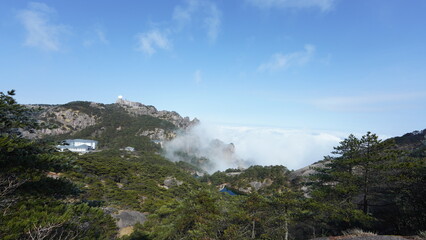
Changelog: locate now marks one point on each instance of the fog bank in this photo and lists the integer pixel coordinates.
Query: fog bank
(253, 146)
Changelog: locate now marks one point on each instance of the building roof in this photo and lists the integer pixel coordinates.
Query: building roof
(74, 147)
(225, 190)
(81, 140)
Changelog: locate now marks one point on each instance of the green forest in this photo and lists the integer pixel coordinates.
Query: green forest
(373, 185)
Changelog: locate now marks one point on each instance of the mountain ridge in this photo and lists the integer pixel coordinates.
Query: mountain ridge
(84, 120)
(75, 116)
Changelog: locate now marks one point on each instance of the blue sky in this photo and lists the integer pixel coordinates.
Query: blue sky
(334, 65)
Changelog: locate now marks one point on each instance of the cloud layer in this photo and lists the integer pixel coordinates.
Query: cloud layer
(261, 146)
(40, 31)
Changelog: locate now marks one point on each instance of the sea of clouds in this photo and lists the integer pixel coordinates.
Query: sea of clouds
(293, 148)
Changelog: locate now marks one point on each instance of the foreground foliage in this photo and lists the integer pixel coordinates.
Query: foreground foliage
(32, 206)
(373, 184)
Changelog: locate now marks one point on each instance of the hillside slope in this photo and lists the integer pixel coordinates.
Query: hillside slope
(413, 142)
(116, 125)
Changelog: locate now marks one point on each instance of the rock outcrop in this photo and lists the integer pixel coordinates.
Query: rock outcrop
(306, 171)
(172, 181)
(66, 120)
(255, 186)
(127, 218)
(171, 116)
(73, 117)
(157, 134)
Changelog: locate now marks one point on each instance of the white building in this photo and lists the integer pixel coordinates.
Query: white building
(129, 149)
(78, 145)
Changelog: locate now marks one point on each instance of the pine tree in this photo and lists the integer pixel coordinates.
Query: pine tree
(29, 200)
(352, 179)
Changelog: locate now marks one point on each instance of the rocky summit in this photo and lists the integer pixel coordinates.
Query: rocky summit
(171, 116)
(71, 118)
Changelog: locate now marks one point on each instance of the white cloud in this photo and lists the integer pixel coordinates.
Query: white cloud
(281, 61)
(41, 32)
(198, 78)
(199, 11)
(202, 14)
(323, 5)
(212, 22)
(97, 35)
(368, 103)
(150, 41)
(258, 146)
(183, 14)
(274, 146)
(101, 36)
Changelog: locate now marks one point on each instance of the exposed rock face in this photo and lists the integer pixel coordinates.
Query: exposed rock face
(256, 185)
(141, 109)
(76, 116)
(306, 171)
(172, 181)
(157, 134)
(127, 218)
(67, 120)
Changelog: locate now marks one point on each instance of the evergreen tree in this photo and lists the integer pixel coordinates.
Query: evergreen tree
(284, 209)
(372, 176)
(349, 180)
(30, 206)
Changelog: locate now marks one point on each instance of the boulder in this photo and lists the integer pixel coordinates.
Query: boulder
(127, 218)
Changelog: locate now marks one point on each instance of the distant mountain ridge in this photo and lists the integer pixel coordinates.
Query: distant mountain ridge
(137, 108)
(73, 117)
(414, 142)
(118, 125)
(130, 124)
(413, 139)
(127, 123)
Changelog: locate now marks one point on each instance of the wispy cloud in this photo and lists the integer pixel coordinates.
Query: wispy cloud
(101, 36)
(368, 103)
(150, 42)
(212, 22)
(182, 14)
(96, 36)
(202, 14)
(281, 61)
(323, 5)
(198, 78)
(199, 11)
(41, 32)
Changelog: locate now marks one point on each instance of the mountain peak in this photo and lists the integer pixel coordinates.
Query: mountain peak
(137, 108)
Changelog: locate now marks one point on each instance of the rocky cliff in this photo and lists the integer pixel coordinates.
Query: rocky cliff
(61, 119)
(171, 116)
(72, 118)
